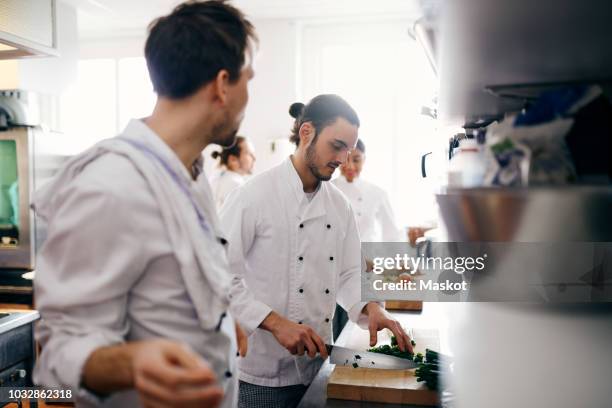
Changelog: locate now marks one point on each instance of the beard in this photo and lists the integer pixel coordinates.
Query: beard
(224, 133)
(311, 159)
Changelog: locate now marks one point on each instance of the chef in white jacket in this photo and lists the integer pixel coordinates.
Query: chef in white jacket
(375, 217)
(236, 162)
(132, 282)
(295, 251)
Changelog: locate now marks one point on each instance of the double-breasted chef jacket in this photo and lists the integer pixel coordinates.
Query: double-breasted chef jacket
(373, 211)
(293, 254)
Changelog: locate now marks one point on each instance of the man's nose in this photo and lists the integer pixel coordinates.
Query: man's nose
(343, 158)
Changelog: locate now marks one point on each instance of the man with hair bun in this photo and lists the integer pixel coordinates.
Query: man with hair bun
(294, 250)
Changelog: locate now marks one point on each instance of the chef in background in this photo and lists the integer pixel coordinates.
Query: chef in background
(237, 162)
(375, 218)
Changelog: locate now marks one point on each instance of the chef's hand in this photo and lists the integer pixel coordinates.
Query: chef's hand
(378, 319)
(297, 338)
(242, 340)
(169, 374)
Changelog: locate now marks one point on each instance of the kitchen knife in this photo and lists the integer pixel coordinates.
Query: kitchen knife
(367, 359)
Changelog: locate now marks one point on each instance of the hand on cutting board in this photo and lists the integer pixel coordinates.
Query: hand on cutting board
(297, 338)
(168, 374)
(378, 319)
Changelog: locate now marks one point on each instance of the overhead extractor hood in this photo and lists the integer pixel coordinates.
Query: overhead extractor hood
(27, 28)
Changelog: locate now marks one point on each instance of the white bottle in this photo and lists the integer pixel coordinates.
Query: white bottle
(467, 166)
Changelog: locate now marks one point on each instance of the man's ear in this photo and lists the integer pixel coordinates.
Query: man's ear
(307, 132)
(220, 86)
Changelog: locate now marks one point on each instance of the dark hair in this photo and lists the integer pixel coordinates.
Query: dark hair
(360, 146)
(226, 152)
(321, 111)
(187, 48)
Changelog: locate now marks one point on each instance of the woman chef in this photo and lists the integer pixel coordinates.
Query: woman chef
(237, 162)
(375, 218)
(294, 250)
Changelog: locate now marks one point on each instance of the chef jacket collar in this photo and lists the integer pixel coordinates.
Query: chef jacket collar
(316, 207)
(139, 131)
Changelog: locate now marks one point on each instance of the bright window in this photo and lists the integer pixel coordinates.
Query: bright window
(386, 77)
(105, 96)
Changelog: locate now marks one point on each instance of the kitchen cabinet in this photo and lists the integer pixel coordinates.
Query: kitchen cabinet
(17, 349)
(492, 47)
(27, 28)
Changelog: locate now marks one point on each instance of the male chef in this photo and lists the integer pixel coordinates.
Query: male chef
(295, 251)
(132, 282)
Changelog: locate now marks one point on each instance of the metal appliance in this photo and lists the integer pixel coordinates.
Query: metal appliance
(19, 123)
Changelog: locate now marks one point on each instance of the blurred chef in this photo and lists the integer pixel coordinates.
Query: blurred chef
(375, 218)
(294, 249)
(133, 281)
(237, 163)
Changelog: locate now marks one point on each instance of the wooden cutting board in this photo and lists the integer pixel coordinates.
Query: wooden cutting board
(390, 386)
(415, 305)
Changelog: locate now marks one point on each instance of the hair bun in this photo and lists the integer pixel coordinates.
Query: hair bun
(296, 109)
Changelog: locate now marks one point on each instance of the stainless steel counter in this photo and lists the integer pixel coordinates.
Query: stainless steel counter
(11, 319)
(434, 315)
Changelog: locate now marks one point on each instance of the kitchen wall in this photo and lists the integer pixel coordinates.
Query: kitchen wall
(272, 90)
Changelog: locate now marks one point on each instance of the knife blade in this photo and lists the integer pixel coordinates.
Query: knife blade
(366, 359)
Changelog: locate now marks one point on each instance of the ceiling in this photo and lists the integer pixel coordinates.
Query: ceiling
(119, 17)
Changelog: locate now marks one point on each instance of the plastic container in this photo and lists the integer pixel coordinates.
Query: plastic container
(467, 167)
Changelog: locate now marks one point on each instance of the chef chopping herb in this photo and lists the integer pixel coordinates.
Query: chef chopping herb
(294, 250)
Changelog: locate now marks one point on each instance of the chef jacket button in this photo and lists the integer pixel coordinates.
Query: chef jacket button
(326, 290)
(228, 374)
(223, 241)
(301, 225)
(301, 290)
(331, 258)
(360, 199)
(300, 322)
(301, 258)
(328, 226)
(327, 320)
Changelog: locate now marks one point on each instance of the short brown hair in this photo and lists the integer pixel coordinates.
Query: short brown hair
(187, 48)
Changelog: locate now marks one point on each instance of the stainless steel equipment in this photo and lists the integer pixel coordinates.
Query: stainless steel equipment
(554, 214)
(17, 129)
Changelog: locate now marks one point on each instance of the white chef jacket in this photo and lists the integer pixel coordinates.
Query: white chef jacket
(294, 256)
(114, 269)
(373, 211)
(226, 182)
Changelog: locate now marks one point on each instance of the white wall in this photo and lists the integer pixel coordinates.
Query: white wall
(52, 75)
(271, 91)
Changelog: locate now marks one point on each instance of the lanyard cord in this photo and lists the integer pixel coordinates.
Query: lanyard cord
(180, 182)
